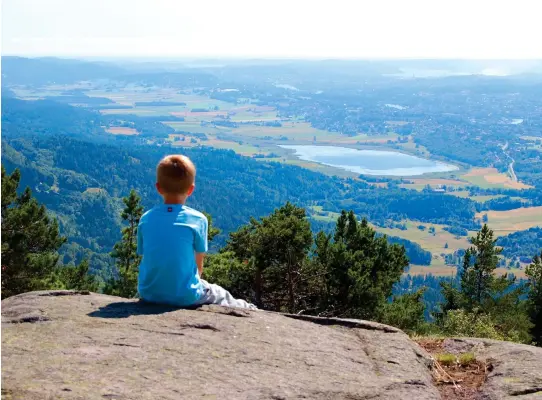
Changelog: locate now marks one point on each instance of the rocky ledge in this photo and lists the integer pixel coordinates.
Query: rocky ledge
(80, 345)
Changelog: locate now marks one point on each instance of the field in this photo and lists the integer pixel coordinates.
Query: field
(119, 130)
(420, 183)
(481, 199)
(434, 242)
(250, 137)
(506, 222)
(441, 270)
(491, 178)
(485, 178)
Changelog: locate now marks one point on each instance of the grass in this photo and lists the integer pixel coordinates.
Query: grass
(446, 358)
(480, 199)
(246, 116)
(328, 216)
(433, 242)
(194, 127)
(120, 130)
(435, 270)
(292, 130)
(244, 149)
(519, 219)
(94, 190)
(451, 359)
(488, 178)
(467, 358)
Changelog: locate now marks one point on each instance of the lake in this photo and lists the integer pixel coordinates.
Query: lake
(369, 162)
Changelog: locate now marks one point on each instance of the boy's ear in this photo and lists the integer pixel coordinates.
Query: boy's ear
(191, 190)
(158, 189)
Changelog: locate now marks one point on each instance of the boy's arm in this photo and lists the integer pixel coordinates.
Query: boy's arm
(139, 241)
(199, 263)
(201, 245)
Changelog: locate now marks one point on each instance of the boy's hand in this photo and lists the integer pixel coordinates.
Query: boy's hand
(199, 263)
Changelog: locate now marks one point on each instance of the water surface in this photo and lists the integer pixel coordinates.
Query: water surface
(369, 162)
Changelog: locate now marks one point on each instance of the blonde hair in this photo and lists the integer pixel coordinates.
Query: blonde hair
(175, 174)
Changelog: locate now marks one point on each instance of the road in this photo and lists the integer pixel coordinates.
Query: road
(511, 171)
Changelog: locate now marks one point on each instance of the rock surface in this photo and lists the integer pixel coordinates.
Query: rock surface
(65, 345)
(75, 345)
(515, 369)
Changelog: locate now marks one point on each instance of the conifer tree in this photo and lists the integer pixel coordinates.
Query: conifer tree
(125, 251)
(30, 240)
(477, 281)
(359, 269)
(78, 277)
(276, 249)
(483, 296)
(534, 307)
(479, 263)
(212, 230)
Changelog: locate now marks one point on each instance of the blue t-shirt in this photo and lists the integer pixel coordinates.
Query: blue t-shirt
(168, 237)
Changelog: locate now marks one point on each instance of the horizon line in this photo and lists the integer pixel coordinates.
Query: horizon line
(259, 57)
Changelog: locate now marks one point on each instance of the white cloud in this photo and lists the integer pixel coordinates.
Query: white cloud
(279, 28)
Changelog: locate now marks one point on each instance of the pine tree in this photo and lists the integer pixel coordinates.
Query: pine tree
(479, 263)
(212, 231)
(534, 304)
(482, 296)
(77, 278)
(125, 251)
(276, 249)
(406, 312)
(30, 240)
(360, 269)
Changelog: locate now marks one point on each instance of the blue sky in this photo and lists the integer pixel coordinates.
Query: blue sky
(275, 28)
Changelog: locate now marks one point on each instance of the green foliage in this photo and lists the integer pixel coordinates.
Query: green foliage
(466, 358)
(478, 285)
(359, 268)
(212, 230)
(30, 240)
(125, 251)
(446, 358)
(479, 263)
(406, 312)
(534, 303)
(351, 273)
(451, 359)
(277, 247)
(226, 270)
(484, 305)
(461, 323)
(77, 278)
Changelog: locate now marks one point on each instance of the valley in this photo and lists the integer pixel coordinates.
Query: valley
(441, 192)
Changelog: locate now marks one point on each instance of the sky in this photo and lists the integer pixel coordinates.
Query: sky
(473, 29)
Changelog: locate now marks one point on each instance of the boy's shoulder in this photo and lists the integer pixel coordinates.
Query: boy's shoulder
(195, 213)
(156, 213)
(146, 215)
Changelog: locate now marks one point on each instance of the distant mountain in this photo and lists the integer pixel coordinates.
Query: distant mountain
(50, 70)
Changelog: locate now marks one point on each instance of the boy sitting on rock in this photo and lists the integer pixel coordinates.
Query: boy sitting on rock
(172, 238)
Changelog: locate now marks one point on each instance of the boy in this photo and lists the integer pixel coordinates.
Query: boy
(172, 239)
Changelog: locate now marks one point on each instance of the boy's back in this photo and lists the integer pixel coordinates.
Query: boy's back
(169, 235)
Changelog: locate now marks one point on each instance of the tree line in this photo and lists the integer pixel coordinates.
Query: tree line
(277, 263)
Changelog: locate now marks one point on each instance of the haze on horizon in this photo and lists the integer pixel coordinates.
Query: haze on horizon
(279, 29)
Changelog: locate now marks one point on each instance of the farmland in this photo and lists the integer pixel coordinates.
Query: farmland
(490, 178)
(119, 130)
(505, 222)
(254, 130)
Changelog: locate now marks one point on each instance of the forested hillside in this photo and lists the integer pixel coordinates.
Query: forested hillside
(80, 173)
(85, 139)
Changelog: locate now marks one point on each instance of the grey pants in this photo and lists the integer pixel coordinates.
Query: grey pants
(214, 294)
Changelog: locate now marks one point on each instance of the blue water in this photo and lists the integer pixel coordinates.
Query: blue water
(369, 162)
